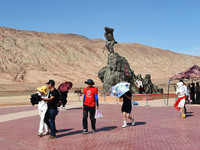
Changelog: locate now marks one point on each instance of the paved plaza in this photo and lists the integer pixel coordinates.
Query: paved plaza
(156, 128)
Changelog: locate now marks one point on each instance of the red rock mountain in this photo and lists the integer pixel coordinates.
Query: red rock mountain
(35, 57)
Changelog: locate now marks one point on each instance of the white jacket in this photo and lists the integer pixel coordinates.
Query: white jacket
(42, 105)
(181, 89)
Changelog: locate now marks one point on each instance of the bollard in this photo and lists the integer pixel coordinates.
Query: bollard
(116, 100)
(131, 99)
(147, 101)
(164, 100)
(167, 99)
(79, 97)
(175, 98)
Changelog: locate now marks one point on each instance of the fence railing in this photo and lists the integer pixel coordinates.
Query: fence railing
(105, 98)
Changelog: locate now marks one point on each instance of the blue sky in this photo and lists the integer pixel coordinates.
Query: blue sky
(166, 24)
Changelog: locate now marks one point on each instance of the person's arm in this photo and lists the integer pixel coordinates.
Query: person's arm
(127, 97)
(48, 99)
(97, 100)
(84, 95)
(83, 99)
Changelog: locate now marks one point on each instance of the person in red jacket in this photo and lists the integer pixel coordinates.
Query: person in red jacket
(90, 104)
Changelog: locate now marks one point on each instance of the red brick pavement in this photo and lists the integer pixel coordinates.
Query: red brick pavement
(156, 128)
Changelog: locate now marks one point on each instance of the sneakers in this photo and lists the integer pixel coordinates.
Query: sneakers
(52, 137)
(85, 131)
(93, 131)
(40, 134)
(133, 122)
(183, 116)
(46, 133)
(124, 126)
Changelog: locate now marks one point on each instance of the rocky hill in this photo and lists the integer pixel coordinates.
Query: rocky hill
(35, 57)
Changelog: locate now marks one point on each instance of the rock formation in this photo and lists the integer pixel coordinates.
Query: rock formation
(118, 70)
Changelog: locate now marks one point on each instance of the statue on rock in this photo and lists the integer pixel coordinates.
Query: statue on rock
(118, 70)
(110, 39)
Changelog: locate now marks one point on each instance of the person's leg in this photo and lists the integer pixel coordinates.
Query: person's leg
(183, 112)
(92, 118)
(45, 125)
(129, 116)
(85, 116)
(64, 102)
(132, 120)
(52, 116)
(125, 120)
(41, 124)
(46, 119)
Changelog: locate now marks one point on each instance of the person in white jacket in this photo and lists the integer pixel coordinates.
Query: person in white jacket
(181, 91)
(42, 108)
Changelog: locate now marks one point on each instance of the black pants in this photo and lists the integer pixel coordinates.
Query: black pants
(140, 90)
(185, 109)
(64, 102)
(92, 110)
(64, 98)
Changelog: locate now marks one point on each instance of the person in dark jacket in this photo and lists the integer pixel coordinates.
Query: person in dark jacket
(197, 91)
(126, 108)
(63, 96)
(52, 101)
(192, 93)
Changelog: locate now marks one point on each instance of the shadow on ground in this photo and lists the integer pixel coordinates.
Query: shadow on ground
(69, 133)
(75, 108)
(64, 130)
(137, 124)
(107, 128)
(189, 116)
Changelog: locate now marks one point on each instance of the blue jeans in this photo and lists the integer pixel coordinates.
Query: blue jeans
(50, 120)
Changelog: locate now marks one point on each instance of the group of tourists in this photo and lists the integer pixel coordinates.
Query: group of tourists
(194, 90)
(48, 108)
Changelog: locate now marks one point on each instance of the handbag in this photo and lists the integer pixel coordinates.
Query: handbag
(98, 114)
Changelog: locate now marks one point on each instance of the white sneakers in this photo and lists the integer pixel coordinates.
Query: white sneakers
(132, 123)
(124, 125)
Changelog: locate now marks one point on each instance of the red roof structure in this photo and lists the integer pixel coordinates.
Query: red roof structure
(191, 73)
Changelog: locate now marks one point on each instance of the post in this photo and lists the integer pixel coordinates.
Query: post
(104, 98)
(132, 99)
(164, 100)
(168, 92)
(79, 95)
(147, 101)
(116, 100)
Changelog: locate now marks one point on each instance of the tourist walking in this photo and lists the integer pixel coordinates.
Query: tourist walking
(181, 101)
(126, 108)
(42, 108)
(52, 100)
(90, 104)
(63, 96)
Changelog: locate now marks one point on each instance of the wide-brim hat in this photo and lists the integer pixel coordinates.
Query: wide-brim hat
(42, 89)
(89, 81)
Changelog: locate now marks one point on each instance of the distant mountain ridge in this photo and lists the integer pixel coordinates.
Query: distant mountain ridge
(35, 57)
